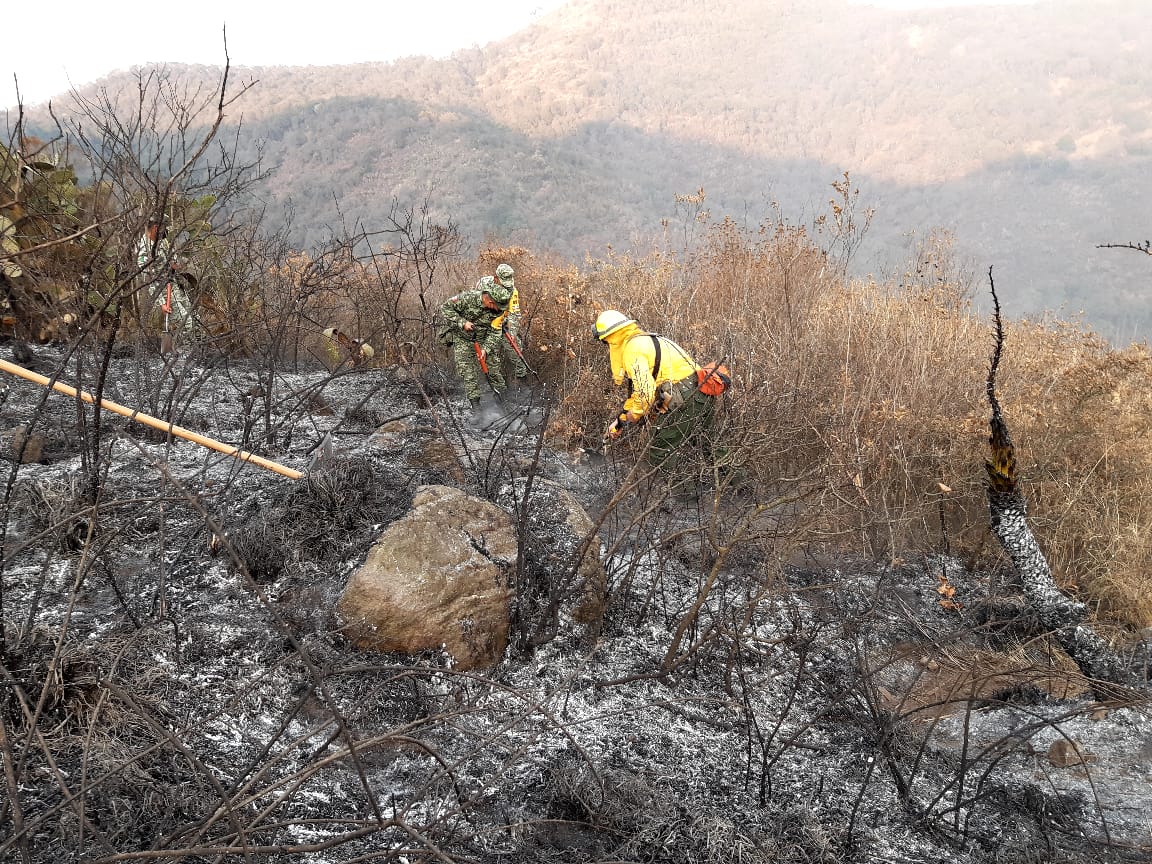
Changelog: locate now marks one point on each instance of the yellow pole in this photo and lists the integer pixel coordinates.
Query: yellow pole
(148, 420)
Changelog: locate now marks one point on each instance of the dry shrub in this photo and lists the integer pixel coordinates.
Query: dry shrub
(891, 384)
(877, 392)
(1088, 456)
(269, 300)
(335, 508)
(391, 301)
(264, 302)
(874, 392)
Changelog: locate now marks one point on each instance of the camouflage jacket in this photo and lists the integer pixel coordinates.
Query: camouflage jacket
(467, 306)
(153, 257)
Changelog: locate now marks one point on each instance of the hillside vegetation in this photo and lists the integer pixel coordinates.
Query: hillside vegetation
(180, 684)
(869, 391)
(1021, 129)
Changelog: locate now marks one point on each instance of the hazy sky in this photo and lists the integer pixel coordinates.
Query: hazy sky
(96, 38)
(938, 4)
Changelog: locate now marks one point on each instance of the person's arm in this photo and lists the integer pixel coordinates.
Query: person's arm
(171, 259)
(639, 355)
(639, 366)
(453, 313)
(635, 409)
(143, 252)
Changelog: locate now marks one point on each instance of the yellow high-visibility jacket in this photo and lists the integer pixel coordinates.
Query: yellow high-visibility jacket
(513, 309)
(633, 356)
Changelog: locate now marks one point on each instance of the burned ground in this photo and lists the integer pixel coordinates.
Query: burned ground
(177, 685)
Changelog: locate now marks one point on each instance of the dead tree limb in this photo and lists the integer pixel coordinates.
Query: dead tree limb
(1145, 247)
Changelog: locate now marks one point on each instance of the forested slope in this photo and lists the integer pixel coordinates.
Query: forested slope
(1022, 129)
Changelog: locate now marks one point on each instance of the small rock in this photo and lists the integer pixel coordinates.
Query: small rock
(23, 354)
(18, 438)
(1065, 754)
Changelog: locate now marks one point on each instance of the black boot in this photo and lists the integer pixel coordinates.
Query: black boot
(506, 403)
(474, 402)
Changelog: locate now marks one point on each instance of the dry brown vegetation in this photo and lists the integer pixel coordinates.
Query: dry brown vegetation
(859, 419)
(867, 395)
(874, 394)
(578, 130)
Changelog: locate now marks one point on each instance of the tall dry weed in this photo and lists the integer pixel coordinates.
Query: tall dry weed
(877, 392)
(1088, 456)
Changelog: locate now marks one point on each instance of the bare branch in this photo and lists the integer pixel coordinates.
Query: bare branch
(1145, 247)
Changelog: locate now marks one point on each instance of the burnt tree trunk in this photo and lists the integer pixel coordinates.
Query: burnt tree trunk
(1063, 617)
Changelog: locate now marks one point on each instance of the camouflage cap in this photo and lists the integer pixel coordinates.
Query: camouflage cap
(504, 275)
(499, 294)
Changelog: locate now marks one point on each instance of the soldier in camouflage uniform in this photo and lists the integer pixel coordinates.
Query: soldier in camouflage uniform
(468, 318)
(158, 267)
(510, 321)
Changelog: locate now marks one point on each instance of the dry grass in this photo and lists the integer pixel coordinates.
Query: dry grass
(878, 390)
(875, 389)
(872, 391)
(1089, 454)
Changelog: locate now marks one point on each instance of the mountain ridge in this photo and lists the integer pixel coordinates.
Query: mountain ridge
(962, 119)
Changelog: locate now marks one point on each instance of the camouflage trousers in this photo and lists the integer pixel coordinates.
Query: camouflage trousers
(180, 317)
(468, 365)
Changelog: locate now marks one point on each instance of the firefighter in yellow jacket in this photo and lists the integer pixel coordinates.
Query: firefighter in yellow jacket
(663, 383)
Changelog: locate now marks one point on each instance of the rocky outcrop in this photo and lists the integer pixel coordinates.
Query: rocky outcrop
(422, 449)
(17, 445)
(919, 681)
(437, 579)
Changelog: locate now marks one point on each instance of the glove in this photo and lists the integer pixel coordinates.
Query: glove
(615, 429)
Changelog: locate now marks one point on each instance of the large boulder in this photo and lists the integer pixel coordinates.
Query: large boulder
(438, 578)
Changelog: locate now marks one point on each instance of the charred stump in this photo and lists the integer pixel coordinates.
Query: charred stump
(1058, 613)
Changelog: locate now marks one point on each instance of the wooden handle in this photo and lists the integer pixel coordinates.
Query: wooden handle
(148, 420)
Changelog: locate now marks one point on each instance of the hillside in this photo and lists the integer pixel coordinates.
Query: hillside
(887, 601)
(1022, 129)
